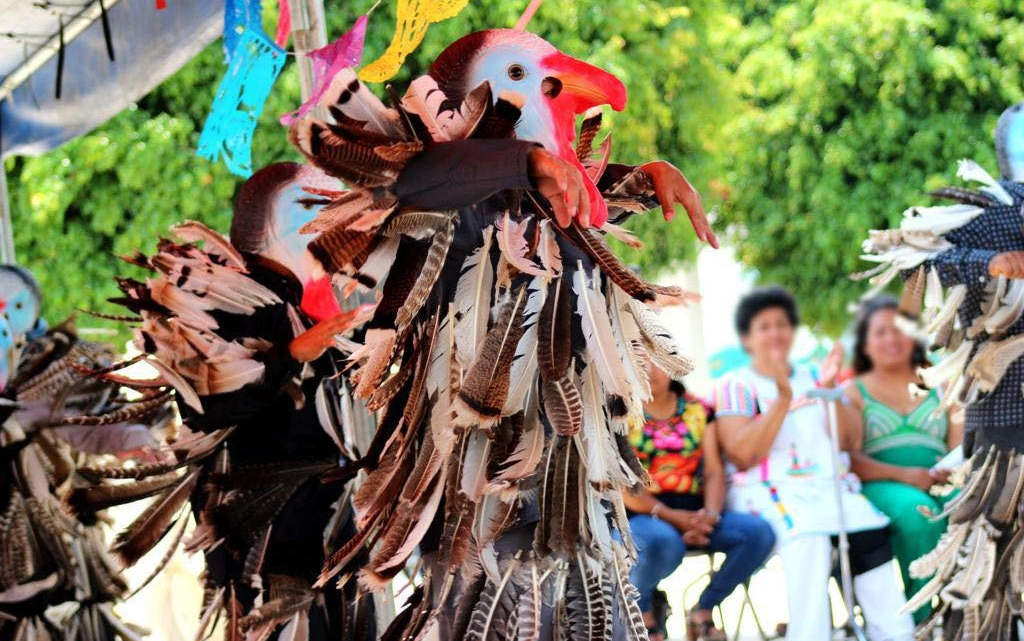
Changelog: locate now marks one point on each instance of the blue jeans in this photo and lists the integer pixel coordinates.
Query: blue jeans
(746, 541)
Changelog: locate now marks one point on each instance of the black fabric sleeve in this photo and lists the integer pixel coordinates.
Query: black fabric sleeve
(460, 173)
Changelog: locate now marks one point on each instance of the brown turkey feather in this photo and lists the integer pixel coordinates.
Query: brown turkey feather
(383, 486)
(559, 527)
(353, 163)
(336, 248)
(416, 224)
(99, 497)
(965, 196)
(913, 293)
(413, 518)
(563, 405)
(613, 268)
(485, 387)
(458, 519)
(338, 212)
(500, 121)
(589, 128)
(151, 526)
(428, 276)
(192, 231)
(554, 336)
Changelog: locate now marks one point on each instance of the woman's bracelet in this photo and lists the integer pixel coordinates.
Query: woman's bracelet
(657, 508)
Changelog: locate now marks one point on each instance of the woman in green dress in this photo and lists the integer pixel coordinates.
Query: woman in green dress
(901, 435)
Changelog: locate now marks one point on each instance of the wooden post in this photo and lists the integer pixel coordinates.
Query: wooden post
(309, 32)
(6, 230)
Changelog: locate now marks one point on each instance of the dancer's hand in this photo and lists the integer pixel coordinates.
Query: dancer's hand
(1008, 264)
(562, 185)
(672, 187)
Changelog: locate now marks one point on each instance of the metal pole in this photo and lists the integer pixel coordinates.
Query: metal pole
(829, 397)
(6, 229)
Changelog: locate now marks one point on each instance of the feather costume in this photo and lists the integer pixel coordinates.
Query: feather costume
(57, 579)
(238, 330)
(506, 354)
(944, 253)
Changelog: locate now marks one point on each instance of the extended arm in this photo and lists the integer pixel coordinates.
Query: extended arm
(460, 173)
(745, 436)
(962, 265)
(655, 184)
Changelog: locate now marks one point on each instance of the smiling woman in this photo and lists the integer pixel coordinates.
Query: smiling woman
(901, 435)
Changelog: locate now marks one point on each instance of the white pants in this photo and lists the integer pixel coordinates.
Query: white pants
(807, 561)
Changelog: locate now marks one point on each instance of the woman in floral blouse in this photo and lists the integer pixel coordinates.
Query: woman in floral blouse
(682, 507)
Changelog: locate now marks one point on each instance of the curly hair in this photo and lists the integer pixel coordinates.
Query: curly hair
(762, 298)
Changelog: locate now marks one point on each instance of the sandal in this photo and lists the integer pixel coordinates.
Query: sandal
(703, 630)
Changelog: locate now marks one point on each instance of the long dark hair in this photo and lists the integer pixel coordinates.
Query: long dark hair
(677, 387)
(861, 361)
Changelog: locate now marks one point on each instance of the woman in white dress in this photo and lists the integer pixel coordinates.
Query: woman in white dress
(776, 441)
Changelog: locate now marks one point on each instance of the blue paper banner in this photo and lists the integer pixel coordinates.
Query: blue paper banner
(240, 15)
(255, 64)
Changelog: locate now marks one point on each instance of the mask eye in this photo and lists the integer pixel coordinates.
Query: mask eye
(516, 72)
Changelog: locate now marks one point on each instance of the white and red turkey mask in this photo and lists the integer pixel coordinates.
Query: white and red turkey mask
(554, 87)
(271, 208)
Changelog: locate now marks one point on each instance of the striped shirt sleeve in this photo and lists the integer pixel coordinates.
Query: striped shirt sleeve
(734, 397)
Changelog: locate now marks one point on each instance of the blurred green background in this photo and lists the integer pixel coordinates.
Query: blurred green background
(805, 123)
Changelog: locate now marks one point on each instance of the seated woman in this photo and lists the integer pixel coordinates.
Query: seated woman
(780, 464)
(899, 435)
(682, 508)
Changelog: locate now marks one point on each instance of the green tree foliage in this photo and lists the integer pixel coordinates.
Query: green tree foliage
(812, 120)
(853, 109)
(118, 188)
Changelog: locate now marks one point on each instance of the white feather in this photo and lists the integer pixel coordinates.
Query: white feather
(378, 264)
(362, 105)
(1009, 311)
(597, 331)
(954, 298)
(474, 464)
(438, 387)
(970, 170)
(523, 373)
(938, 220)
(473, 301)
(949, 369)
(512, 241)
(548, 251)
(594, 441)
(524, 459)
(658, 340)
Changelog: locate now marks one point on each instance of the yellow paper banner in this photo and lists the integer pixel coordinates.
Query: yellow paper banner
(414, 16)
